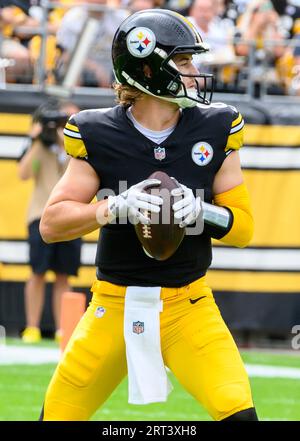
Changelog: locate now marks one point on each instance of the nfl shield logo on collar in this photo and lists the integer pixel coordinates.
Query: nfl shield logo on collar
(159, 153)
(138, 327)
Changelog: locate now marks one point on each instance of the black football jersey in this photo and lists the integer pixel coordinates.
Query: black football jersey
(122, 156)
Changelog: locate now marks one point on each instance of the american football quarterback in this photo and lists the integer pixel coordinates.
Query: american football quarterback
(147, 314)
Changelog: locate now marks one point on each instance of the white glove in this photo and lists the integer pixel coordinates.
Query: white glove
(134, 203)
(188, 208)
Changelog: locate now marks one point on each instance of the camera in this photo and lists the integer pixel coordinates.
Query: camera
(50, 122)
(51, 117)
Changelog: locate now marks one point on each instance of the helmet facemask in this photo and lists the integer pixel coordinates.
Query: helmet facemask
(171, 86)
(201, 93)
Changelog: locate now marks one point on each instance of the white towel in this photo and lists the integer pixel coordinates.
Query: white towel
(147, 377)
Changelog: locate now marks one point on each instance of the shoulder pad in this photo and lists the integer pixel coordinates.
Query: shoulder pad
(73, 142)
(236, 133)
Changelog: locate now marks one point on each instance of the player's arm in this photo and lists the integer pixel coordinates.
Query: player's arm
(68, 213)
(231, 205)
(229, 218)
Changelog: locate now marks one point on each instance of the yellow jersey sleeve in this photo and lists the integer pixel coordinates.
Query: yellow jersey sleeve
(236, 135)
(73, 141)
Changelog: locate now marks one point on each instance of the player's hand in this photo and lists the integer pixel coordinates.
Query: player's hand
(133, 203)
(188, 208)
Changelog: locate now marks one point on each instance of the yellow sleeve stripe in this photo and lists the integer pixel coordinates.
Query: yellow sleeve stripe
(75, 147)
(236, 121)
(237, 128)
(235, 140)
(72, 134)
(72, 127)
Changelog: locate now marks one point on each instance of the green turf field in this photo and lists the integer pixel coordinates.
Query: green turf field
(22, 388)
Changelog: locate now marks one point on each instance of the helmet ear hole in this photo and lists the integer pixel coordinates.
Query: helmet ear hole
(147, 70)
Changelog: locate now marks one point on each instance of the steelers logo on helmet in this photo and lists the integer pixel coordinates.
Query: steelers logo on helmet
(141, 42)
(202, 153)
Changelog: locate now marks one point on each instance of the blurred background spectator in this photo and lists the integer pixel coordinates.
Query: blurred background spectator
(260, 22)
(52, 52)
(295, 85)
(260, 26)
(13, 42)
(206, 15)
(249, 40)
(97, 70)
(217, 32)
(288, 65)
(139, 5)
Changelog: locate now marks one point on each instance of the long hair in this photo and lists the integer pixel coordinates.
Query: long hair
(126, 95)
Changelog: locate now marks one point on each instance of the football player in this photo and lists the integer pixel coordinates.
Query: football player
(164, 121)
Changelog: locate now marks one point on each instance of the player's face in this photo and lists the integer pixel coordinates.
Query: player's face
(185, 65)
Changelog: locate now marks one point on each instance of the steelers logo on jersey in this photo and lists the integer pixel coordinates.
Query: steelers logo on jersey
(141, 42)
(202, 153)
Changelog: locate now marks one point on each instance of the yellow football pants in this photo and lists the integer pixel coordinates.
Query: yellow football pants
(196, 345)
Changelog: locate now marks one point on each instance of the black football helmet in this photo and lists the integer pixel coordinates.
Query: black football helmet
(154, 37)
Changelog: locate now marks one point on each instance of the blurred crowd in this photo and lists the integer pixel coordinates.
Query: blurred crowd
(249, 40)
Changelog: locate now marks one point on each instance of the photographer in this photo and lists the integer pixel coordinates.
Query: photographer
(45, 161)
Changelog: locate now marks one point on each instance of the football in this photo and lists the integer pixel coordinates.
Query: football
(162, 237)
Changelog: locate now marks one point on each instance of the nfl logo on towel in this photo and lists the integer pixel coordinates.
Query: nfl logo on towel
(138, 327)
(159, 153)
